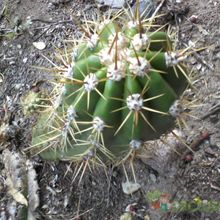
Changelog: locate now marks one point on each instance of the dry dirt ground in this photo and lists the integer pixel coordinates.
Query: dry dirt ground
(99, 195)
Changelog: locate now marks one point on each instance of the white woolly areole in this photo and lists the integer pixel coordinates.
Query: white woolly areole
(63, 90)
(124, 54)
(59, 99)
(173, 58)
(71, 113)
(134, 102)
(127, 53)
(135, 144)
(90, 82)
(116, 74)
(69, 72)
(139, 69)
(98, 124)
(140, 42)
(93, 41)
(121, 41)
(105, 57)
(90, 153)
(74, 53)
(65, 129)
(94, 143)
(103, 24)
(132, 24)
(176, 109)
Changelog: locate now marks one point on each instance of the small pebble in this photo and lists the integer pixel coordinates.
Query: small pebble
(131, 207)
(218, 55)
(12, 62)
(130, 187)
(1, 78)
(18, 86)
(191, 43)
(193, 18)
(153, 178)
(188, 158)
(39, 45)
(25, 60)
(51, 6)
(199, 66)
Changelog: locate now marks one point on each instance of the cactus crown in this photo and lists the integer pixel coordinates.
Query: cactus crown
(114, 93)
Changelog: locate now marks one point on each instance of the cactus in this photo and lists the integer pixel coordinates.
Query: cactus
(114, 93)
(33, 101)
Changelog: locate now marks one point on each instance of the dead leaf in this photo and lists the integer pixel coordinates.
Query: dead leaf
(17, 196)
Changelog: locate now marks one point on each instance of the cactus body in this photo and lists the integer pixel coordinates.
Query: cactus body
(116, 93)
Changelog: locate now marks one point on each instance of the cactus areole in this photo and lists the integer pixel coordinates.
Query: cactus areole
(115, 93)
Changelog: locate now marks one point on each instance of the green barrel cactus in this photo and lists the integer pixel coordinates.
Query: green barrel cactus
(115, 91)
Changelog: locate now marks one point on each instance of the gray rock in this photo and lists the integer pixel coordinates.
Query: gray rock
(112, 3)
(146, 7)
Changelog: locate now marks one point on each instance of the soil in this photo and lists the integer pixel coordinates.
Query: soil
(99, 195)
